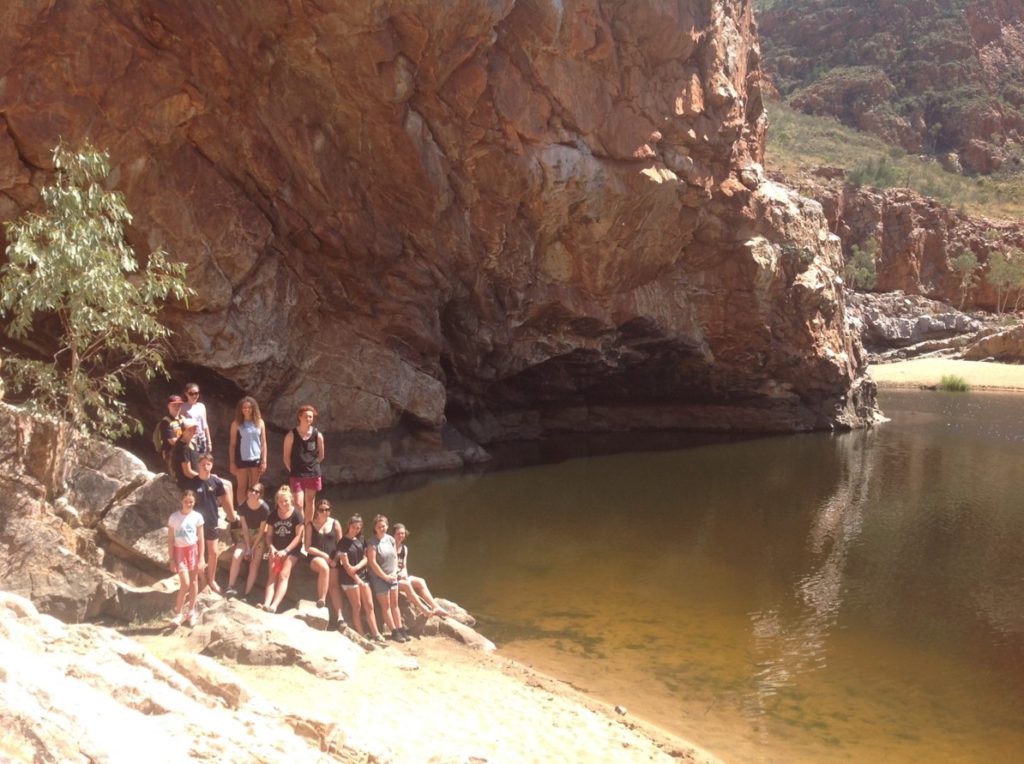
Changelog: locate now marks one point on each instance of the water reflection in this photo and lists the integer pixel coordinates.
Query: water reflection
(785, 646)
(800, 598)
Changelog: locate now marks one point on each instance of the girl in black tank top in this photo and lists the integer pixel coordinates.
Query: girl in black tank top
(322, 548)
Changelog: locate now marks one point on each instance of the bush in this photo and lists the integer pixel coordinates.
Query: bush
(954, 384)
(861, 272)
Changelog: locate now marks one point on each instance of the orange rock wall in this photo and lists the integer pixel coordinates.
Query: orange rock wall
(480, 218)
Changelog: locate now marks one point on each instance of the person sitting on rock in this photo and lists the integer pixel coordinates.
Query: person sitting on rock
(211, 495)
(184, 455)
(303, 454)
(185, 544)
(322, 552)
(284, 538)
(413, 587)
(383, 564)
(352, 577)
(252, 513)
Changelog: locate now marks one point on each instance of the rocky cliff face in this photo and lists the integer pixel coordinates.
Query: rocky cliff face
(449, 223)
(927, 75)
(917, 237)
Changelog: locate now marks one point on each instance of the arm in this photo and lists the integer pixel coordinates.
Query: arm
(263, 448)
(232, 440)
(170, 548)
(206, 430)
(371, 558)
(319, 446)
(260, 541)
(297, 541)
(245, 537)
(288, 452)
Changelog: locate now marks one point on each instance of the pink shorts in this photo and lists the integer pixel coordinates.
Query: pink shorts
(186, 557)
(305, 484)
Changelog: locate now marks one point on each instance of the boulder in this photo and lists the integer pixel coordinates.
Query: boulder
(1005, 346)
(83, 693)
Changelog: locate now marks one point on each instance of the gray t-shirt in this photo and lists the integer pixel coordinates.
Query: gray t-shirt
(387, 558)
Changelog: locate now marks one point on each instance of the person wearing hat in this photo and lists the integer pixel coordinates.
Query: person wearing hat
(185, 455)
(170, 430)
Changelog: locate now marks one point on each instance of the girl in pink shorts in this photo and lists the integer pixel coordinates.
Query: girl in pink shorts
(185, 545)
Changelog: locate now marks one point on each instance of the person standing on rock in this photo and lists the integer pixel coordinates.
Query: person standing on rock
(303, 454)
(169, 431)
(284, 537)
(252, 513)
(194, 409)
(382, 560)
(184, 455)
(353, 579)
(247, 447)
(414, 587)
(322, 561)
(185, 544)
(211, 494)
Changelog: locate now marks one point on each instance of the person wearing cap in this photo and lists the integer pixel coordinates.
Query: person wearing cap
(184, 455)
(170, 429)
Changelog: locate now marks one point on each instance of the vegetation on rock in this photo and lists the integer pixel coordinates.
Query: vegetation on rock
(861, 272)
(71, 266)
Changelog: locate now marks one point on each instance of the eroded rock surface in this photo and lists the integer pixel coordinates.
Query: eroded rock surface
(84, 693)
(450, 223)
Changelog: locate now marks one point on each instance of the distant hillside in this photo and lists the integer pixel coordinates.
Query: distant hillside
(931, 76)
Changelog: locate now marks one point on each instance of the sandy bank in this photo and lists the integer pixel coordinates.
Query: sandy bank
(448, 702)
(926, 372)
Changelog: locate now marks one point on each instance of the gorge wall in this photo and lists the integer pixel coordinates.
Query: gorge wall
(927, 75)
(450, 223)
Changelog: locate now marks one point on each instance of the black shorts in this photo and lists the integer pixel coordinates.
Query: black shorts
(212, 532)
(249, 463)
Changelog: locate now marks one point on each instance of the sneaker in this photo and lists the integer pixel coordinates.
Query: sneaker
(231, 592)
(379, 639)
(191, 620)
(341, 625)
(397, 636)
(178, 619)
(321, 603)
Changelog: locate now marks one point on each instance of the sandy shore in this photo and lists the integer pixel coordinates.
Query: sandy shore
(927, 372)
(435, 700)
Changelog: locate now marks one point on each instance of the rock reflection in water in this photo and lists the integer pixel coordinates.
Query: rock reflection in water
(785, 646)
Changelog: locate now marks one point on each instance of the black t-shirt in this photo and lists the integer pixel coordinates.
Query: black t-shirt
(184, 452)
(254, 517)
(282, 530)
(207, 492)
(355, 550)
(305, 453)
(325, 541)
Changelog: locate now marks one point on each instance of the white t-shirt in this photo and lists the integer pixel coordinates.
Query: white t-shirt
(197, 411)
(185, 527)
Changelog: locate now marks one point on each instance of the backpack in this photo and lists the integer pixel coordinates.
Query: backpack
(159, 445)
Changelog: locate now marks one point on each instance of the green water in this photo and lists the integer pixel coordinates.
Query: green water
(804, 598)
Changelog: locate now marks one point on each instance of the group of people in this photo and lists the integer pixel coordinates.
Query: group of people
(369, 573)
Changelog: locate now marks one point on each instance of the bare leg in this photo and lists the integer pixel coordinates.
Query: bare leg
(354, 602)
(405, 587)
(369, 613)
(236, 563)
(420, 585)
(282, 582)
(254, 572)
(323, 576)
(334, 594)
(385, 605)
(184, 586)
(396, 615)
(211, 566)
(309, 500)
(193, 587)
